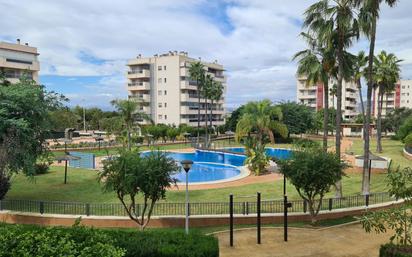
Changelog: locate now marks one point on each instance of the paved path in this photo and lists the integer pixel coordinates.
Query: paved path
(341, 241)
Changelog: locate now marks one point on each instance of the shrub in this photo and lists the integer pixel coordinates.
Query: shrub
(41, 168)
(18, 240)
(405, 129)
(29, 240)
(391, 250)
(408, 141)
(306, 143)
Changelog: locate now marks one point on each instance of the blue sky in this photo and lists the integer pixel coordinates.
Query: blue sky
(84, 45)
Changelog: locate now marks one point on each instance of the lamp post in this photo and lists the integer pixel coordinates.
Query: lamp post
(285, 211)
(187, 165)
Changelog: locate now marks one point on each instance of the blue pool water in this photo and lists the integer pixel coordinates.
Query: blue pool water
(273, 152)
(214, 166)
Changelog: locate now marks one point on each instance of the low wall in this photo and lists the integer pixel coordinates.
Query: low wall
(178, 221)
(407, 155)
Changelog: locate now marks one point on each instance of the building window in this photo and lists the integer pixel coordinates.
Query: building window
(165, 92)
(165, 117)
(159, 67)
(159, 80)
(160, 116)
(159, 92)
(165, 105)
(165, 80)
(164, 67)
(160, 105)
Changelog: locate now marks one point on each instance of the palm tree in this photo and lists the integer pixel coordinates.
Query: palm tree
(368, 16)
(206, 93)
(261, 118)
(130, 114)
(359, 66)
(317, 64)
(197, 73)
(386, 74)
(216, 95)
(334, 22)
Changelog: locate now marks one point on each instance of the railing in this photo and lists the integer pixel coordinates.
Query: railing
(199, 208)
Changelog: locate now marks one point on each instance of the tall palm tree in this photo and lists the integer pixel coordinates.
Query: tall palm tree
(317, 65)
(206, 93)
(197, 73)
(359, 69)
(386, 74)
(130, 114)
(333, 92)
(261, 118)
(216, 95)
(368, 16)
(335, 22)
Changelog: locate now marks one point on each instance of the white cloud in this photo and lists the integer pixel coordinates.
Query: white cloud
(95, 38)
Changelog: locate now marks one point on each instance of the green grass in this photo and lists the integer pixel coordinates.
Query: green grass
(391, 148)
(83, 186)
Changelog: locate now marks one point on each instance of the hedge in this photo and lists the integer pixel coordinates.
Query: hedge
(391, 250)
(30, 240)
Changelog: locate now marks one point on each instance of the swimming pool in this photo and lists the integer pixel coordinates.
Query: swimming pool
(278, 153)
(215, 167)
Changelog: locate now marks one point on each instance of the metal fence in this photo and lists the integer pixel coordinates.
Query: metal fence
(199, 208)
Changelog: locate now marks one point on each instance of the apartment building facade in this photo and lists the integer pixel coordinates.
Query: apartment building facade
(400, 97)
(314, 96)
(162, 83)
(17, 60)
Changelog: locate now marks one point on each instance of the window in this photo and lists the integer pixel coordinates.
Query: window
(160, 105)
(159, 92)
(165, 117)
(165, 92)
(165, 80)
(165, 105)
(160, 116)
(159, 80)
(164, 67)
(159, 67)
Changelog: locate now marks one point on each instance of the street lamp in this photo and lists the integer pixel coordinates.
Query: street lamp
(187, 165)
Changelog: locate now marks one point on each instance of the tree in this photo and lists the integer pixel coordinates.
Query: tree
(233, 119)
(206, 93)
(359, 65)
(335, 23)
(333, 92)
(332, 119)
(317, 65)
(405, 129)
(312, 173)
(197, 73)
(368, 16)
(130, 114)
(386, 74)
(63, 118)
(298, 118)
(172, 133)
(394, 119)
(130, 174)
(397, 219)
(261, 118)
(215, 95)
(256, 159)
(24, 126)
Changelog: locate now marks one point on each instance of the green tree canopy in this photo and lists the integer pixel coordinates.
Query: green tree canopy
(298, 118)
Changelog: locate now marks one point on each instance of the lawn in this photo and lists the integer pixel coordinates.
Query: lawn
(83, 186)
(391, 148)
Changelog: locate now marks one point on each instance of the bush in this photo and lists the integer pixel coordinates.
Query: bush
(41, 168)
(391, 250)
(306, 143)
(28, 240)
(408, 141)
(405, 129)
(19, 240)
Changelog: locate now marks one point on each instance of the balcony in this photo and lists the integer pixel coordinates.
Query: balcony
(137, 74)
(138, 86)
(186, 84)
(350, 103)
(140, 97)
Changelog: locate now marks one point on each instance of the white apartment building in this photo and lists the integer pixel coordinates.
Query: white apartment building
(17, 60)
(400, 97)
(162, 83)
(313, 96)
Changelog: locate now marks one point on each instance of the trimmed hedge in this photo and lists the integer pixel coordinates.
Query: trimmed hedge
(29, 240)
(391, 250)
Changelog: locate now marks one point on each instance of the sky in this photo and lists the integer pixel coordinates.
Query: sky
(84, 44)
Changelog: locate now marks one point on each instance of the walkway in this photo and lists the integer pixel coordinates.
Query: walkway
(339, 241)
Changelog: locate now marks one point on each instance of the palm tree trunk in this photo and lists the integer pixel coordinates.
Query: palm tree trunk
(361, 100)
(198, 111)
(367, 121)
(206, 121)
(379, 121)
(325, 116)
(129, 147)
(211, 113)
(339, 113)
